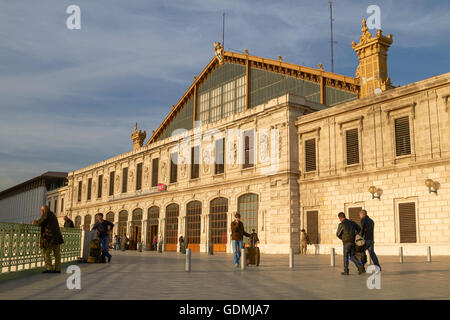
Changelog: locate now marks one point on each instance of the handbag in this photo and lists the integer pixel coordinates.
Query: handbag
(359, 241)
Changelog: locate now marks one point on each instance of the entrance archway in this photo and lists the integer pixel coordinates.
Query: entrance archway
(123, 219)
(172, 211)
(248, 209)
(152, 226)
(87, 223)
(193, 223)
(218, 224)
(136, 228)
(78, 222)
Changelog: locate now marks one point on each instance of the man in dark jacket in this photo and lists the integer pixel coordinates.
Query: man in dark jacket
(347, 231)
(50, 240)
(103, 228)
(237, 237)
(68, 223)
(367, 226)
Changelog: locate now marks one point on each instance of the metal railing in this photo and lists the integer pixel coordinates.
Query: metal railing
(19, 246)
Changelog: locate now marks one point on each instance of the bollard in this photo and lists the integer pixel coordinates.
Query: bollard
(332, 256)
(243, 259)
(400, 253)
(429, 254)
(188, 260)
(291, 258)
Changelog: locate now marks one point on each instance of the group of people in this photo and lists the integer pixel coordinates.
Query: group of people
(51, 237)
(356, 239)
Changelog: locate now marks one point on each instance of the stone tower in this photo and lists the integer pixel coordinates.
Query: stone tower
(372, 70)
(138, 137)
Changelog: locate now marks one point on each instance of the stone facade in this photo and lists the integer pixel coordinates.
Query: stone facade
(335, 186)
(277, 190)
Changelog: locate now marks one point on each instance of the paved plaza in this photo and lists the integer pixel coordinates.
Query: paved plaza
(149, 275)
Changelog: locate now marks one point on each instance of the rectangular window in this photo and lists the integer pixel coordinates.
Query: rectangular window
(216, 104)
(204, 107)
(402, 137)
(229, 93)
(124, 180)
(310, 155)
(139, 176)
(80, 185)
(62, 205)
(173, 167)
(353, 214)
(111, 183)
(248, 149)
(56, 206)
(352, 146)
(240, 94)
(100, 186)
(407, 222)
(195, 162)
(89, 189)
(155, 168)
(219, 161)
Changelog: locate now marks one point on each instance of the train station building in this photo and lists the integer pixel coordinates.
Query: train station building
(287, 147)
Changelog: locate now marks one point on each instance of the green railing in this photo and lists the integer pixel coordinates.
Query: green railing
(19, 246)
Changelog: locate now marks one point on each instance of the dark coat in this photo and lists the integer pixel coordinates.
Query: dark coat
(50, 232)
(237, 231)
(69, 224)
(347, 231)
(367, 226)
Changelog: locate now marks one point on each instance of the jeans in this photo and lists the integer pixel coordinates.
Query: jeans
(349, 252)
(373, 256)
(104, 241)
(237, 247)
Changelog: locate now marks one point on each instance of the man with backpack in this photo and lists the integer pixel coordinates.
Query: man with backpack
(347, 231)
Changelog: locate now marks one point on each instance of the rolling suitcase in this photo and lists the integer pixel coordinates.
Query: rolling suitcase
(95, 251)
(253, 256)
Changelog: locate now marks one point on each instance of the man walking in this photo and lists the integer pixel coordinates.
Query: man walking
(68, 223)
(237, 237)
(304, 240)
(347, 231)
(103, 228)
(367, 226)
(50, 240)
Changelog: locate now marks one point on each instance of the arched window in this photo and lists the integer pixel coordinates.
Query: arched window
(123, 218)
(172, 211)
(78, 222)
(136, 215)
(110, 217)
(218, 223)
(248, 209)
(193, 222)
(87, 222)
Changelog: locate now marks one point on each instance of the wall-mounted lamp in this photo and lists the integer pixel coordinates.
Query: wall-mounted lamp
(374, 190)
(431, 185)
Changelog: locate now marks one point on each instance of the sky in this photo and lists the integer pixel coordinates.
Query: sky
(70, 98)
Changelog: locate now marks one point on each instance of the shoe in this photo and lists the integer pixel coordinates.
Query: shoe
(236, 265)
(345, 273)
(47, 271)
(56, 271)
(361, 270)
(109, 259)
